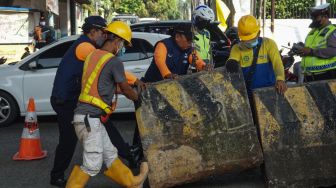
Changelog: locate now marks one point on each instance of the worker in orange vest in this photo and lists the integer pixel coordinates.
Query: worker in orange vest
(103, 73)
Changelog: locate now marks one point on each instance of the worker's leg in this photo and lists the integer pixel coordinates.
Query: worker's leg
(67, 141)
(92, 141)
(117, 170)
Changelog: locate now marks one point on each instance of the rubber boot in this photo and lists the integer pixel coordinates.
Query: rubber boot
(122, 175)
(77, 179)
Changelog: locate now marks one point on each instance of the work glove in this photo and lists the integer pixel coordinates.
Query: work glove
(232, 66)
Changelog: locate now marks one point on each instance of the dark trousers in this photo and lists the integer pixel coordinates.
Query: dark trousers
(331, 74)
(67, 139)
(117, 140)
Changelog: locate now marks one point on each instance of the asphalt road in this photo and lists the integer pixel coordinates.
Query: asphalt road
(35, 174)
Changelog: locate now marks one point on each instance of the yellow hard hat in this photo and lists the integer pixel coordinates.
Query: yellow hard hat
(121, 29)
(248, 27)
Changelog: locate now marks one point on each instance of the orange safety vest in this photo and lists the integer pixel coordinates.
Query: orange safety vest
(93, 66)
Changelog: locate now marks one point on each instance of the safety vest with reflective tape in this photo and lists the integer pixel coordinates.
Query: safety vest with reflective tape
(202, 45)
(318, 39)
(93, 66)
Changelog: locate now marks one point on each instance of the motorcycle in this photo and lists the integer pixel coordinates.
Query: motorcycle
(291, 76)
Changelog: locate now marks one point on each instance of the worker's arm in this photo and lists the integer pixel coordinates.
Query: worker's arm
(274, 55)
(134, 81)
(131, 78)
(330, 50)
(160, 56)
(126, 89)
(200, 64)
(83, 50)
(118, 74)
(232, 65)
(278, 67)
(235, 53)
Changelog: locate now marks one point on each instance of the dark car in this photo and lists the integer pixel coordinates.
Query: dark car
(221, 44)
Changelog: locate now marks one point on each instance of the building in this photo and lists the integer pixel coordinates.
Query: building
(18, 19)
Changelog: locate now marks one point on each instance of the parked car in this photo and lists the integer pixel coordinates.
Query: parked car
(34, 75)
(142, 20)
(221, 44)
(128, 18)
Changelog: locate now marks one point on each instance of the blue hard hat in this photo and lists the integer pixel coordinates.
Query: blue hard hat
(96, 21)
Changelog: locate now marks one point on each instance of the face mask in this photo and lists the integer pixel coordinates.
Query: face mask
(122, 50)
(249, 45)
(254, 43)
(42, 23)
(100, 42)
(202, 24)
(315, 24)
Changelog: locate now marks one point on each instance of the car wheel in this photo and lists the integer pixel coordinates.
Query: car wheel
(8, 109)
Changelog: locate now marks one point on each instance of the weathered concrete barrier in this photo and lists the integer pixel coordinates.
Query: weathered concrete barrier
(298, 134)
(197, 126)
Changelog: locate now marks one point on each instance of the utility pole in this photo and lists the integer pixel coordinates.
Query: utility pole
(97, 4)
(73, 24)
(272, 15)
(264, 17)
(260, 9)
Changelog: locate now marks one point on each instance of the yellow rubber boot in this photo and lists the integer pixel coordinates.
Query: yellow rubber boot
(122, 175)
(77, 179)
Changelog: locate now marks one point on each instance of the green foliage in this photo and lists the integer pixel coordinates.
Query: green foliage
(184, 7)
(132, 7)
(106, 6)
(288, 8)
(163, 9)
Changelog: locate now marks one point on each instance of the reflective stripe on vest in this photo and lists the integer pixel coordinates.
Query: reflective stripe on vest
(202, 45)
(318, 39)
(91, 72)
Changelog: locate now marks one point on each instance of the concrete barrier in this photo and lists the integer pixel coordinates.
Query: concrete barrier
(196, 126)
(298, 134)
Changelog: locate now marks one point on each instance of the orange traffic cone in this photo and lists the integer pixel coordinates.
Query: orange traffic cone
(30, 145)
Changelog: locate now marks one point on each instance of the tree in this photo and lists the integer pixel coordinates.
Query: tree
(288, 8)
(163, 9)
(184, 7)
(132, 7)
(106, 6)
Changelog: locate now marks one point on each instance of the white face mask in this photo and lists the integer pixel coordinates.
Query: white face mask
(121, 50)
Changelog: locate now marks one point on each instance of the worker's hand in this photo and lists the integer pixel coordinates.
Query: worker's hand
(209, 67)
(232, 66)
(171, 76)
(281, 86)
(305, 51)
(140, 85)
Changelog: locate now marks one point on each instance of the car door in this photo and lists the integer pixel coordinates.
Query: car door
(136, 60)
(39, 76)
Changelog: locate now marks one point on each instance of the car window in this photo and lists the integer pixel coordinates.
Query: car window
(53, 56)
(167, 30)
(140, 49)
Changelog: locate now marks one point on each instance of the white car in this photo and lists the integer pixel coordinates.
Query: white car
(34, 76)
